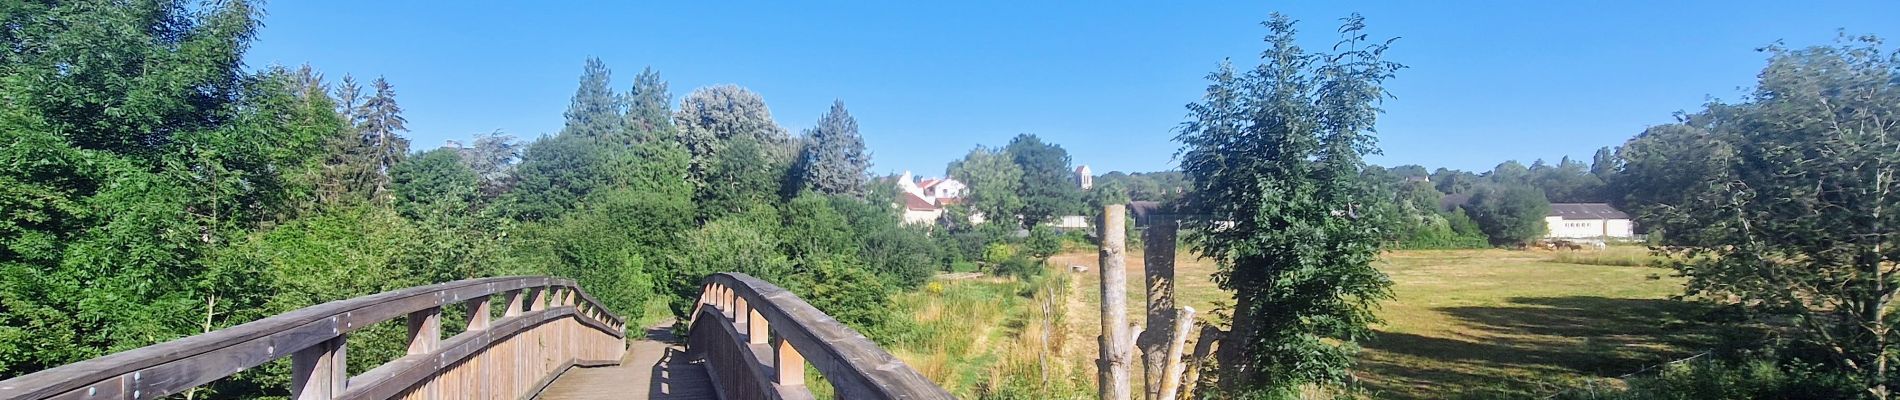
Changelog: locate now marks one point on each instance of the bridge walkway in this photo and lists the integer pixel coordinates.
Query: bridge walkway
(655, 367)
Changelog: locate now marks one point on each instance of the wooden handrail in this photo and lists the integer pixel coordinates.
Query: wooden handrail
(737, 305)
(314, 336)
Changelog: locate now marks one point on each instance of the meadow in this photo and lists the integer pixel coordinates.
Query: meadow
(1464, 324)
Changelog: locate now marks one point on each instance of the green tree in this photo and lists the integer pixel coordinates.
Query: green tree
(649, 109)
(382, 129)
(595, 111)
(435, 186)
(145, 149)
(712, 119)
(1781, 204)
(1511, 214)
(1049, 188)
(1604, 164)
(491, 157)
(995, 182)
(834, 160)
(1275, 159)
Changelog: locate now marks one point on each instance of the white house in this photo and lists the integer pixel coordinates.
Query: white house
(945, 188)
(1588, 220)
(924, 201)
(918, 210)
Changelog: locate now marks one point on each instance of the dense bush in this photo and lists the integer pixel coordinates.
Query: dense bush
(1737, 380)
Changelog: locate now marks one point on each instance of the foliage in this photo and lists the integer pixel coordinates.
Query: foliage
(1275, 160)
(1509, 215)
(595, 110)
(833, 160)
(995, 182)
(1049, 188)
(1722, 380)
(649, 116)
(435, 186)
(737, 152)
(844, 290)
(743, 242)
(1043, 242)
(1778, 204)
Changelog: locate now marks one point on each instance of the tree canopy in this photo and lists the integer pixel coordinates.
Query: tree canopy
(1274, 157)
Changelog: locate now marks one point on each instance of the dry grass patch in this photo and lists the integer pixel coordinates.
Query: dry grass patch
(1474, 322)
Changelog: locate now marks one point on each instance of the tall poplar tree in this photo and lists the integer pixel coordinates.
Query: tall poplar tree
(833, 160)
(1275, 159)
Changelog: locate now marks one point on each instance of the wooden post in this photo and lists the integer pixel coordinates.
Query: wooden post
(515, 297)
(540, 299)
(425, 330)
(756, 327)
(1113, 377)
(479, 313)
(1158, 267)
(320, 371)
(787, 365)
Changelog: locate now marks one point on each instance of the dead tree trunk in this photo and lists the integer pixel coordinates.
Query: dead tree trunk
(1112, 377)
(1198, 361)
(1158, 266)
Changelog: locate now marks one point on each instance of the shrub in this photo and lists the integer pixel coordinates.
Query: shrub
(1043, 242)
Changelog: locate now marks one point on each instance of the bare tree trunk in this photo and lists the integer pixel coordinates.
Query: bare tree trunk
(1171, 366)
(1158, 268)
(1113, 376)
(1232, 354)
(1198, 361)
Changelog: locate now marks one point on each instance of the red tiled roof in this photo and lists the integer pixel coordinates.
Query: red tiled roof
(911, 201)
(927, 183)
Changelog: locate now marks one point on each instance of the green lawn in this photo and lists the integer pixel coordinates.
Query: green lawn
(1488, 323)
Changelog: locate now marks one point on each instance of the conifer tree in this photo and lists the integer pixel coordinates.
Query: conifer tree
(833, 160)
(594, 112)
(649, 109)
(382, 129)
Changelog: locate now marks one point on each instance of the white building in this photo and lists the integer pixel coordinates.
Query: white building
(917, 210)
(924, 201)
(1588, 220)
(945, 188)
(1084, 178)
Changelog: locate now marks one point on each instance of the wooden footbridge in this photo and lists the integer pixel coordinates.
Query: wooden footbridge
(525, 337)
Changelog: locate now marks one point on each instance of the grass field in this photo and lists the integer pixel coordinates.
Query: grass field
(1479, 323)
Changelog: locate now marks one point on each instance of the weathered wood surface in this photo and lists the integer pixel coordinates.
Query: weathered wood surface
(1116, 343)
(855, 367)
(654, 368)
(171, 367)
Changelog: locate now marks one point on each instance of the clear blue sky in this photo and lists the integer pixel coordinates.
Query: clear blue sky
(1489, 81)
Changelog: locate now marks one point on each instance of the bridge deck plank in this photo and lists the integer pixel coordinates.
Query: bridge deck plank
(654, 368)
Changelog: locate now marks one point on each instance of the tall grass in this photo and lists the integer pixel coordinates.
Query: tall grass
(1622, 256)
(996, 338)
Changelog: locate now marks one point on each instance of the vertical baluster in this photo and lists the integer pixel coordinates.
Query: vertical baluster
(514, 303)
(787, 365)
(540, 300)
(479, 313)
(756, 327)
(319, 372)
(425, 330)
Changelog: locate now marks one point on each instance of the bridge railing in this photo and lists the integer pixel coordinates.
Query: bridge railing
(546, 326)
(757, 338)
